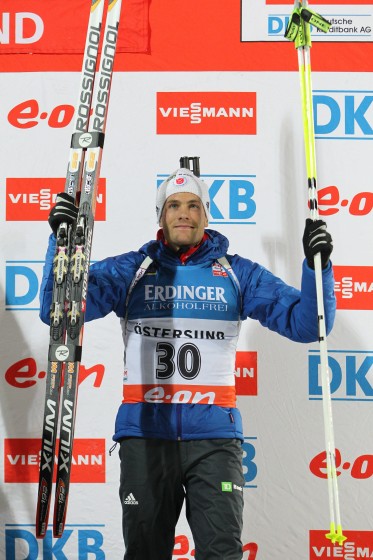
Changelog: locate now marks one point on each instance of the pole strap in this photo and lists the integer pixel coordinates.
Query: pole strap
(298, 32)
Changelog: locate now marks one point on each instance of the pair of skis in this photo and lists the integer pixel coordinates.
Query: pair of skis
(71, 264)
(298, 31)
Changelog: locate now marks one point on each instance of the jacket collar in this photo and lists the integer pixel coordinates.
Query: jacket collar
(183, 254)
(213, 246)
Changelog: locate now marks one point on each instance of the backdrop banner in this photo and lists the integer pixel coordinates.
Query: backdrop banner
(245, 123)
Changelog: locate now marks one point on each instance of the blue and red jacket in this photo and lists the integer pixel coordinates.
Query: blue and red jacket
(180, 326)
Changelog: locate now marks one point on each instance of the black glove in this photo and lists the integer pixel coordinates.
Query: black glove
(63, 211)
(317, 240)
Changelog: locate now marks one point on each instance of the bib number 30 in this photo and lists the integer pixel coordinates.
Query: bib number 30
(187, 361)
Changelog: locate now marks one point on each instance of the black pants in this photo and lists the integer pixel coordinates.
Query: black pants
(156, 477)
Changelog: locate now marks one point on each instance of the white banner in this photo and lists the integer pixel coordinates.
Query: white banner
(258, 188)
(267, 20)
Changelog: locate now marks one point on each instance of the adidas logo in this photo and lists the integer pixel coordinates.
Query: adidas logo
(131, 500)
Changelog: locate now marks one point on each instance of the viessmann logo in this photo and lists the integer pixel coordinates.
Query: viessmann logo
(354, 287)
(246, 374)
(359, 544)
(30, 199)
(22, 459)
(206, 113)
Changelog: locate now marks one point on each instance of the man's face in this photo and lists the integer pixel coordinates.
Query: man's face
(183, 220)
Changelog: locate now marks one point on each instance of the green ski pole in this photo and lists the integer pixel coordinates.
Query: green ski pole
(298, 30)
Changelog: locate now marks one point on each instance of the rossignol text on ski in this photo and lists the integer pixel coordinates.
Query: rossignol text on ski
(71, 264)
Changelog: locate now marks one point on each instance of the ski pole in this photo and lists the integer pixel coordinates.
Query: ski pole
(298, 31)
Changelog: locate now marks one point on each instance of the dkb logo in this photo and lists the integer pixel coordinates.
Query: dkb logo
(82, 543)
(340, 115)
(231, 198)
(250, 468)
(350, 374)
(22, 279)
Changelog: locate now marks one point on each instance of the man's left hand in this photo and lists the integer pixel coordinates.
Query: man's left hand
(316, 239)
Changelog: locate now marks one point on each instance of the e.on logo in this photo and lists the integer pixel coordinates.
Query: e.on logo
(354, 287)
(25, 373)
(246, 373)
(22, 458)
(359, 544)
(31, 199)
(183, 549)
(206, 112)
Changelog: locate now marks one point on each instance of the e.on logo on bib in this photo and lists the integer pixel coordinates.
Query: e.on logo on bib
(22, 458)
(206, 112)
